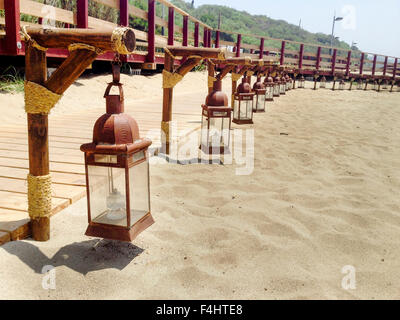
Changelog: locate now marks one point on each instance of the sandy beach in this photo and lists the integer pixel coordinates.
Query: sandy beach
(323, 194)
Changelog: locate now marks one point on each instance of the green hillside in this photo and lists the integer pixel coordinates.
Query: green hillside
(243, 22)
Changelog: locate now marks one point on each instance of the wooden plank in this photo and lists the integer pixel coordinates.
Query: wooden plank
(19, 202)
(16, 223)
(110, 3)
(1, 4)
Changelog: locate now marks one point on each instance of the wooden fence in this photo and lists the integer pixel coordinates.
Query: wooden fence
(308, 58)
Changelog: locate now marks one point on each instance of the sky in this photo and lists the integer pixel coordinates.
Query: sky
(372, 24)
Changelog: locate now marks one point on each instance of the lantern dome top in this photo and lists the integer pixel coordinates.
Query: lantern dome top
(244, 87)
(217, 98)
(269, 79)
(258, 85)
(277, 79)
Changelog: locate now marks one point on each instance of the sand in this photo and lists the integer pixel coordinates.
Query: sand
(324, 194)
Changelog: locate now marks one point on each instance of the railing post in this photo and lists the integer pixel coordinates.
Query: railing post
(171, 24)
(385, 66)
(262, 48)
(301, 54)
(334, 61)
(151, 36)
(318, 63)
(217, 37)
(283, 53)
(82, 13)
(205, 37)
(394, 68)
(209, 40)
(362, 63)
(185, 31)
(124, 14)
(374, 65)
(196, 34)
(12, 18)
(238, 45)
(348, 63)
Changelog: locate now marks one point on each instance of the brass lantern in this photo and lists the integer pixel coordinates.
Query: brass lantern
(269, 89)
(282, 87)
(277, 84)
(322, 83)
(341, 84)
(243, 108)
(288, 83)
(117, 173)
(260, 91)
(216, 122)
(302, 82)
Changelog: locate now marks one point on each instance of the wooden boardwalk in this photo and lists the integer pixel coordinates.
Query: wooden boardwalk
(66, 134)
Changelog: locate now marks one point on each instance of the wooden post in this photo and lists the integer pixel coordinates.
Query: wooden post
(171, 24)
(38, 143)
(209, 40)
(385, 66)
(362, 63)
(196, 34)
(217, 37)
(318, 63)
(167, 108)
(82, 14)
(334, 61)
(185, 31)
(238, 45)
(211, 73)
(12, 20)
(374, 65)
(348, 63)
(205, 37)
(283, 53)
(124, 20)
(262, 48)
(395, 68)
(151, 36)
(301, 55)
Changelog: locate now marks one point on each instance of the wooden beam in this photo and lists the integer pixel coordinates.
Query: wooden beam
(374, 65)
(171, 25)
(62, 38)
(282, 61)
(185, 31)
(238, 45)
(151, 36)
(395, 68)
(167, 108)
(385, 66)
(12, 26)
(124, 13)
(211, 73)
(207, 53)
(196, 34)
(209, 40)
(223, 73)
(348, 64)
(362, 63)
(82, 13)
(262, 41)
(205, 37)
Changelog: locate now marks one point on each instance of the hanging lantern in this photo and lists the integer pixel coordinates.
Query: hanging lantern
(260, 92)
(341, 84)
(243, 108)
(385, 85)
(282, 87)
(302, 82)
(322, 83)
(277, 84)
(117, 173)
(375, 85)
(269, 89)
(216, 122)
(359, 84)
(287, 82)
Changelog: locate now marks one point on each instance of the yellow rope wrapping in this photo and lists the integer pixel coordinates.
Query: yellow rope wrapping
(83, 46)
(236, 76)
(31, 42)
(165, 129)
(170, 79)
(211, 81)
(39, 196)
(39, 99)
(221, 54)
(247, 61)
(116, 40)
(250, 73)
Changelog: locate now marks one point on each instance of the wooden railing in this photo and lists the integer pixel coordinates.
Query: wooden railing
(307, 58)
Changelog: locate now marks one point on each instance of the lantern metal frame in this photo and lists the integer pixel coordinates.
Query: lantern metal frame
(342, 84)
(302, 82)
(322, 83)
(282, 87)
(242, 98)
(277, 84)
(269, 88)
(259, 102)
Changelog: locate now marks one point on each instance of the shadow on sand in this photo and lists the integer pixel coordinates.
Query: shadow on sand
(83, 257)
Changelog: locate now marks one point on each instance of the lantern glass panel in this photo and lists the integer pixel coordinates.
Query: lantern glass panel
(260, 102)
(139, 188)
(269, 93)
(215, 131)
(107, 193)
(276, 90)
(246, 110)
(282, 88)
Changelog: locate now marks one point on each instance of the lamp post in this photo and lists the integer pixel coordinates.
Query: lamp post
(333, 27)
